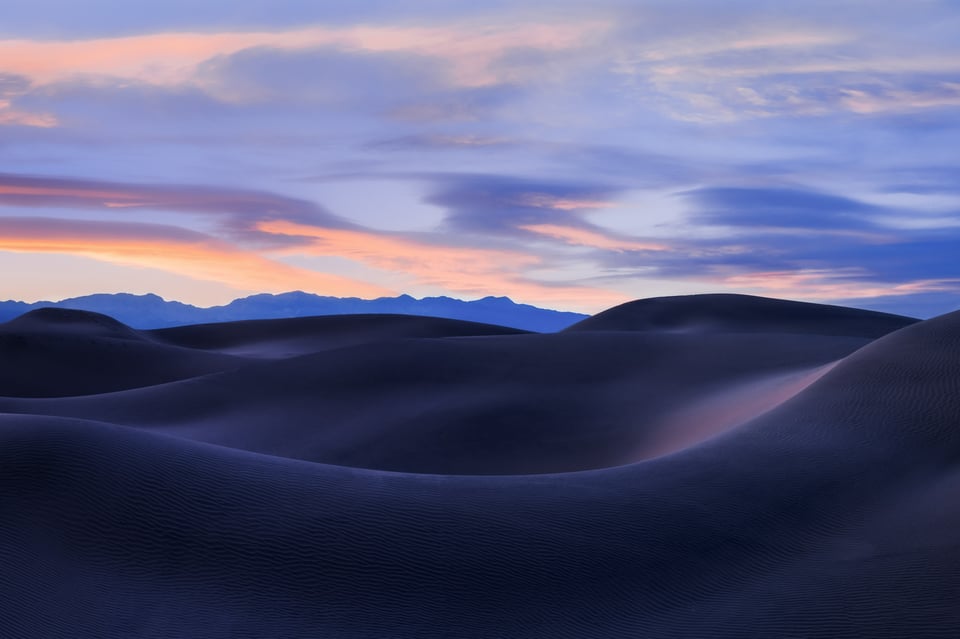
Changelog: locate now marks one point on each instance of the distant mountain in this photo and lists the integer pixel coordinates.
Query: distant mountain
(152, 311)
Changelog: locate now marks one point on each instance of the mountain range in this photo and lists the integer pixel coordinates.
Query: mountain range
(152, 311)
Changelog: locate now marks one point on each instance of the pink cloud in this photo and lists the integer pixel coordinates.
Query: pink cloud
(469, 49)
(947, 94)
(547, 201)
(593, 239)
(173, 250)
(10, 116)
(828, 284)
(237, 207)
(464, 270)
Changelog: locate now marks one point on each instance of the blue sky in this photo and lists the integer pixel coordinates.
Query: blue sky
(567, 154)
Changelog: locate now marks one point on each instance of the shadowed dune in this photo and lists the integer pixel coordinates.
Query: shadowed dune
(482, 405)
(57, 352)
(301, 335)
(742, 314)
(782, 480)
(54, 352)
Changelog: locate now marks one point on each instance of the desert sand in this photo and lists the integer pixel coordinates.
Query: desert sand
(699, 466)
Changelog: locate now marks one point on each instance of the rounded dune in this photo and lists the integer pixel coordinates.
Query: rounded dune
(68, 321)
(511, 404)
(755, 480)
(301, 335)
(715, 313)
(55, 352)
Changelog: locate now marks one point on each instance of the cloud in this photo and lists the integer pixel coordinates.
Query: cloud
(10, 116)
(501, 205)
(792, 62)
(593, 239)
(237, 210)
(172, 249)
(428, 259)
(101, 18)
(467, 50)
(870, 100)
(467, 104)
(12, 87)
(417, 74)
(785, 208)
(559, 148)
(921, 305)
(320, 76)
(922, 180)
(801, 243)
(272, 225)
(833, 284)
(440, 141)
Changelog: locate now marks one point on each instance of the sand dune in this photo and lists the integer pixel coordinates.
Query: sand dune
(481, 405)
(742, 314)
(302, 335)
(685, 467)
(57, 352)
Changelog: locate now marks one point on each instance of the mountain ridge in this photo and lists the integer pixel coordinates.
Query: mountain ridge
(150, 311)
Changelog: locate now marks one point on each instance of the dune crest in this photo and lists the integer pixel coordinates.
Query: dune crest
(722, 312)
(61, 320)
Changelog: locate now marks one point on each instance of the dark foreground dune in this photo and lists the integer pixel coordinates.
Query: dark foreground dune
(706, 466)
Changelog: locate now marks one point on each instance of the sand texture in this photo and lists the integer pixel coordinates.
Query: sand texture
(702, 466)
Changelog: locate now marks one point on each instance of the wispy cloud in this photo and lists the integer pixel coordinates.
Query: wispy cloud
(502, 205)
(592, 238)
(468, 50)
(236, 210)
(173, 249)
(810, 69)
(940, 94)
(10, 116)
(420, 142)
(267, 226)
(832, 284)
(11, 87)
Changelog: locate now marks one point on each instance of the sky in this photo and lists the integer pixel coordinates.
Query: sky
(572, 155)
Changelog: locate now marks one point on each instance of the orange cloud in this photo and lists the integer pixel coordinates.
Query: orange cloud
(64, 191)
(458, 269)
(593, 239)
(173, 58)
(174, 250)
(236, 206)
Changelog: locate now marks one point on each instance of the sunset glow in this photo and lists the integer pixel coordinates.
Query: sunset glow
(490, 150)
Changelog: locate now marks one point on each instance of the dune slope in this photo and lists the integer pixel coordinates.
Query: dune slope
(740, 483)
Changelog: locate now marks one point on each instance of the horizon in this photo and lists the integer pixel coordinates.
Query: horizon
(167, 300)
(282, 293)
(565, 156)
